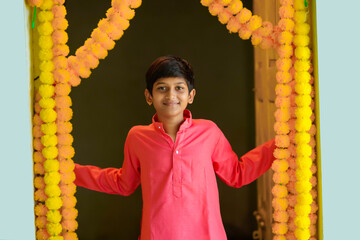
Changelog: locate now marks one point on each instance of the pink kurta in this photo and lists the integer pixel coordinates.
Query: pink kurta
(179, 189)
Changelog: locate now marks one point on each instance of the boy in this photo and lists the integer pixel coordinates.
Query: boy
(175, 159)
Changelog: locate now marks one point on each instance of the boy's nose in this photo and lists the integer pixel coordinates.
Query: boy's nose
(171, 93)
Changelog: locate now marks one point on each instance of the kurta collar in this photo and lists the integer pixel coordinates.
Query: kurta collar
(187, 123)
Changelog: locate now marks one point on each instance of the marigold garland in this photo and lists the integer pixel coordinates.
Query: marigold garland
(282, 126)
(304, 225)
(54, 188)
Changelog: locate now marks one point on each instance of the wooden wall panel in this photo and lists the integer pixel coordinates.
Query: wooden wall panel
(265, 70)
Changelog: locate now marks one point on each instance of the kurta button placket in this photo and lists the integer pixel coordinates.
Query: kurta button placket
(176, 159)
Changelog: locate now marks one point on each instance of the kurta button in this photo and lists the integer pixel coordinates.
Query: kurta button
(177, 152)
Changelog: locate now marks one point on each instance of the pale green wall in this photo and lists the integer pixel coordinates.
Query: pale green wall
(339, 84)
(16, 177)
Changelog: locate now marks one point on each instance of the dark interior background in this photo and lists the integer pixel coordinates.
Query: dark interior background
(111, 101)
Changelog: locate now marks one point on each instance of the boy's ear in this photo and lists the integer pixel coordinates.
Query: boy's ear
(148, 97)
(191, 96)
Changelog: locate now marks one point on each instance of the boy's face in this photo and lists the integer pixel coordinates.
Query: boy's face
(170, 97)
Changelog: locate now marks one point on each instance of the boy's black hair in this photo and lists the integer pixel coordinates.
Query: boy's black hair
(169, 66)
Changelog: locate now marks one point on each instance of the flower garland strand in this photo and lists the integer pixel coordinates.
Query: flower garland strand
(303, 124)
(48, 219)
(281, 127)
(64, 112)
(102, 39)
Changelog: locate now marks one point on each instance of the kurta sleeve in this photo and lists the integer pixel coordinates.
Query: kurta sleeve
(235, 172)
(122, 181)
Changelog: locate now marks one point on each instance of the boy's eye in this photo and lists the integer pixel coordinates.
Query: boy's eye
(161, 88)
(179, 88)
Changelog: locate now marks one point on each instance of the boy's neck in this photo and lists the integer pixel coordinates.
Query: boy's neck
(171, 125)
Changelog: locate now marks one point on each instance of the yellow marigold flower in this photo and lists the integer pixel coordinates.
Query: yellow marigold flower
(206, 3)
(40, 209)
(256, 40)
(302, 234)
(52, 190)
(283, 90)
(233, 25)
(244, 15)
(49, 140)
(302, 77)
(45, 16)
(304, 198)
(54, 228)
(52, 178)
(285, 37)
(285, 51)
(302, 137)
(224, 16)
(303, 162)
(302, 210)
(286, 24)
(280, 228)
(279, 237)
(45, 42)
(300, 16)
(302, 222)
(280, 165)
(281, 177)
(282, 114)
(45, 54)
(46, 78)
(302, 28)
(46, 66)
(47, 102)
(299, 4)
(303, 174)
(301, 40)
(254, 23)
(135, 3)
(48, 115)
(281, 153)
(281, 216)
(39, 182)
(235, 6)
(283, 64)
(225, 2)
(244, 33)
(303, 149)
(45, 28)
(279, 191)
(280, 203)
(65, 139)
(51, 165)
(49, 128)
(303, 125)
(302, 53)
(303, 88)
(47, 5)
(60, 238)
(303, 112)
(50, 152)
(281, 128)
(303, 186)
(40, 222)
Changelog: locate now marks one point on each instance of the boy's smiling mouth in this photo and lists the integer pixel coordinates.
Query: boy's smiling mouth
(171, 103)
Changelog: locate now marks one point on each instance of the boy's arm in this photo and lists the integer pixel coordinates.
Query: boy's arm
(235, 172)
(122, 181)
